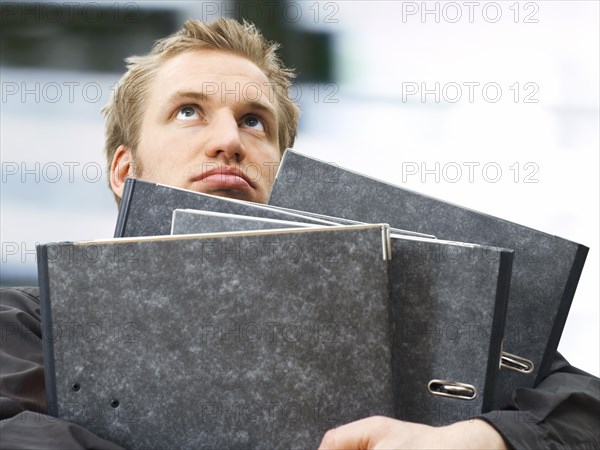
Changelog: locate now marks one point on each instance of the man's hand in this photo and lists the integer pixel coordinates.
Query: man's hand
(386, 433)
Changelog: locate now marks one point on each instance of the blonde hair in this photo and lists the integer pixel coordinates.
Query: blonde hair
(124, 112)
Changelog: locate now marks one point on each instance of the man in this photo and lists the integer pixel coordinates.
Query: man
(201, 109)
(202, 99)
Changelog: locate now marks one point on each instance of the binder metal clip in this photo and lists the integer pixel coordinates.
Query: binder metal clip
(452, 389)
(516, 363)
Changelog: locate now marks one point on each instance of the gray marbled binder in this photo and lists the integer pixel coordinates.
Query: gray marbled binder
(192, 221)
(243, 340)
(449, 299)
(546, 268)
(146, 209)
(449, 304)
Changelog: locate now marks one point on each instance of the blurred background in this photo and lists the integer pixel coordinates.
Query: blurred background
(490, 105)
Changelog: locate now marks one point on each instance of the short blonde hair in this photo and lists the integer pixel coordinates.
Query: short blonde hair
(124, 112)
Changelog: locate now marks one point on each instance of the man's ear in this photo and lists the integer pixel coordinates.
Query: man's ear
(122, 166)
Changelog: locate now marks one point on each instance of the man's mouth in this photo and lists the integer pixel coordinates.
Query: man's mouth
(224, 177)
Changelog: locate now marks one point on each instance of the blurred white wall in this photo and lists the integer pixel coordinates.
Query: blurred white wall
(537, 120)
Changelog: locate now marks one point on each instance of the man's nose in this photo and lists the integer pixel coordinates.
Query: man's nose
(224, 138)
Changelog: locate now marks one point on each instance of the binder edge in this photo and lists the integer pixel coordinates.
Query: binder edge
(124, 207)
(498, 328)
(47, 330)
(562, 312)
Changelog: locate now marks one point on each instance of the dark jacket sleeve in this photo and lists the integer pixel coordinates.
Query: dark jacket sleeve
(562, 412)
(23, 422)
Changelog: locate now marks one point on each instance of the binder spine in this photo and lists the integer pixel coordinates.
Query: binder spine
(124, 207)
(497, 333)
(563, 311)
(47, 330)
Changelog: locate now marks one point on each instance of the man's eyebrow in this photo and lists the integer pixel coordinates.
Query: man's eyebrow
(195, 95)
(264, 107)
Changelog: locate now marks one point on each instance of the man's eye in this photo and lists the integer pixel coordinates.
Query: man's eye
(253, 122)
(187, 113)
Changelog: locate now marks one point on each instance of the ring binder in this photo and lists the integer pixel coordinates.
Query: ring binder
(269, 353)
(544, 275)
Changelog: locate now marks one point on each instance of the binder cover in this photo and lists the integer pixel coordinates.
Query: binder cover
(146, 209)
(546, 268)
(245, 340)
(450, 304)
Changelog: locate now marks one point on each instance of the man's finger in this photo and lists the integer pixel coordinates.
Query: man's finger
(361, 434)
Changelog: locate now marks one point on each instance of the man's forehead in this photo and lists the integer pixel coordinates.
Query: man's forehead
(206, 70)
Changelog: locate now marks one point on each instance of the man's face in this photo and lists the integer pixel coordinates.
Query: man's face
(210, 125)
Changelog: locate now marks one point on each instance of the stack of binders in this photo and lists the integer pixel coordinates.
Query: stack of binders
(211, 322)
